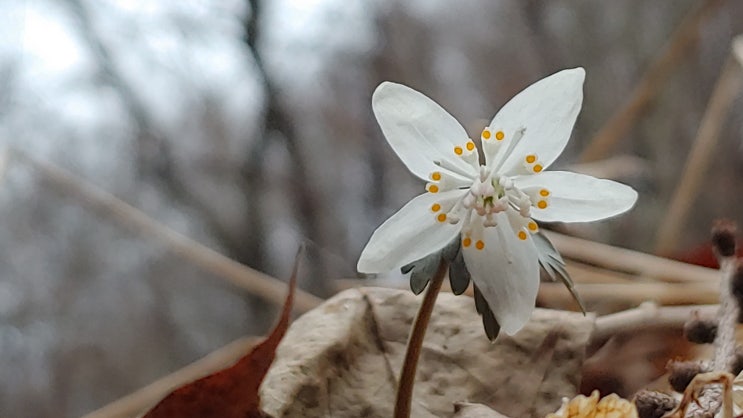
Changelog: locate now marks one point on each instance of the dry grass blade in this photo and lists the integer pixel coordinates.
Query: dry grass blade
(677, 48)
(738, 49)
(728, 87)
(628, 261)
(110, 207)
(648, 315)
(593, 294)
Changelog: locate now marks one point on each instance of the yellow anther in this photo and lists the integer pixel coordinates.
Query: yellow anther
(479, 245)
(458, 150)
(542, 204)
(467, 242)
(486, 134)
(500, 135)
(544, 192)
(435, 176)
(470, 146)
(533, 227)
(432, 188)
(435, 207)
(522, 235)
(441, 217)
(537, 168)
(531, 159)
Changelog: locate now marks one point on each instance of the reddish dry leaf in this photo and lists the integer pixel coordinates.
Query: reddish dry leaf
(704, 256)
(232, 392)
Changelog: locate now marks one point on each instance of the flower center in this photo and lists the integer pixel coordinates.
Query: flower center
(488, 196)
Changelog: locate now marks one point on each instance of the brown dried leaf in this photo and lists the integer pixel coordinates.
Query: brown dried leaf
(343, 359)
(596, 407)
(232, 392)
(475, 410)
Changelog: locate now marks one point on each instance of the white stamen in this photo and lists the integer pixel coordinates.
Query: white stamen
(454, 169)
(511, 145)
(483, 173)
(488, 195)
(505, 182)
(487, 189)
(501, 204)
(468, 200)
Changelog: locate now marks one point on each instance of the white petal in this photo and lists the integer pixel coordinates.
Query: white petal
(578, 197)
(419, 130)
(547, 111)
(507, 273)
(410, 234)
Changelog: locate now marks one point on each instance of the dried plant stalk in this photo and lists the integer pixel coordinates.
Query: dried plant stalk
(628, 261)
(648, 315)
(111, 207)
(555, 294)
(729, 312)
(714, 396)
(678, 46)
(728, 87)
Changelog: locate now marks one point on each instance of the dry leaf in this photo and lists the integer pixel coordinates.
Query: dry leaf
(343, 359)
(581, 406)
(474, 410)
(232, 392)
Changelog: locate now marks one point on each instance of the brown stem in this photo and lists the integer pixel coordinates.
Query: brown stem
(713, 397)
(728, 317)
(415, 342)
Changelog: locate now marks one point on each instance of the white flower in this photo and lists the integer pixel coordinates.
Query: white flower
(491, 207)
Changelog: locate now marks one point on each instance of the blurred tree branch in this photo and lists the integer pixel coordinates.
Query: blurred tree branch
(277, 120)
(154, 156)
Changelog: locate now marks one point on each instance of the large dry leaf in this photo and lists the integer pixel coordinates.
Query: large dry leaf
(343, 359)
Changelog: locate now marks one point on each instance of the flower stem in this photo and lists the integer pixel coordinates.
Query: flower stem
(415, 342)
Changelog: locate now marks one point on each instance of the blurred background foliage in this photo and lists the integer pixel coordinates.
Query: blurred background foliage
(246, 125)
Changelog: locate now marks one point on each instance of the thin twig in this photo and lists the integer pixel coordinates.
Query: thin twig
(555, 294)
(591, 261)
(628, 292)
(111, 207)
(725, 340)
(415, 342)
(579, 272)
(628, 261)
(710, 400)
(728, 87)
(614, 168)
(678, 46)
(647, 315)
